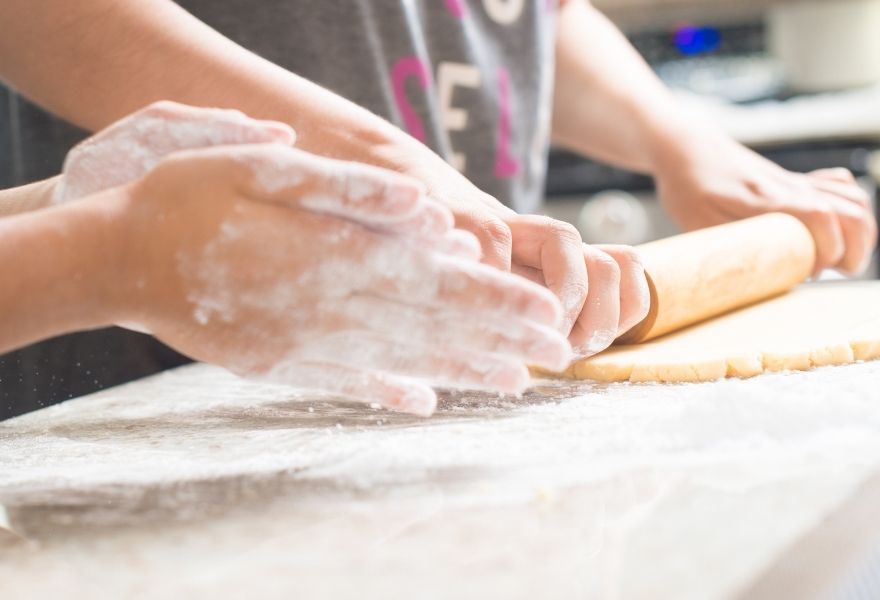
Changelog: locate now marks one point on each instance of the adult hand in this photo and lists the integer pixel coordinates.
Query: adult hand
(246, 257)
(710, 179)
(603, 290)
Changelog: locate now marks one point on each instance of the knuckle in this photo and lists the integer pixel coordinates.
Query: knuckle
(565, 232)
(497, 232)
(555, 228)
(820, 213)
(629, 255)
(603, 266)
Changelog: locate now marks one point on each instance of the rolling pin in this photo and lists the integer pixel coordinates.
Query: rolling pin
(702, 274)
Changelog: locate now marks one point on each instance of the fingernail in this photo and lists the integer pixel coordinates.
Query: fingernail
(554, 355)
(280, 132)
(599, 341)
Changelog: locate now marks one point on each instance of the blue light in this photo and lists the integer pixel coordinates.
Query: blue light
(692, 40)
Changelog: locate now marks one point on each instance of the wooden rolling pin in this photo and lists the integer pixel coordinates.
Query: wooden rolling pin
(699, 275)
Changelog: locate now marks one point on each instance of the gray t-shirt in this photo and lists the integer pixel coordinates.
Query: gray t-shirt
(470, 78)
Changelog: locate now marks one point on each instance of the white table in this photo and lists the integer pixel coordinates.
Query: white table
(195, 484)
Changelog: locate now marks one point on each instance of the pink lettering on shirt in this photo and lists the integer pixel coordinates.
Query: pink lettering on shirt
(506, 166)
(457, 7)
(403, 69)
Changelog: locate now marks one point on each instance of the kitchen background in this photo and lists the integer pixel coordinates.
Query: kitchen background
(799, 80)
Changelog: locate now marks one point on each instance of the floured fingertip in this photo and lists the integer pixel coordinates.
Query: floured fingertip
(553, 353)
(412, 398)
(600, 340)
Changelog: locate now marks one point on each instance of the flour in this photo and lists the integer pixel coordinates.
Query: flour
(346, 189)
(352, 305)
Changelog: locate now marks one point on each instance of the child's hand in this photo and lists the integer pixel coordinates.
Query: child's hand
(131, 147)
(248, 257)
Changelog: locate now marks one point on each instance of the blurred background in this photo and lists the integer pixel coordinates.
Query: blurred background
(798, 80)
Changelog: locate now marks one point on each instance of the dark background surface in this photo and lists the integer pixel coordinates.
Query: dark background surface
(72, 365)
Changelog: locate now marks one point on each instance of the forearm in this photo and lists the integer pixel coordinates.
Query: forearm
(55, 268)
(99, 60)
(608, 103)
(27, 198)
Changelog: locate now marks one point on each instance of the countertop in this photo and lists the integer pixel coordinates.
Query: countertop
(197, 484)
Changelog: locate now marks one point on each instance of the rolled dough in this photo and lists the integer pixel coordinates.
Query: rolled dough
(815, 325)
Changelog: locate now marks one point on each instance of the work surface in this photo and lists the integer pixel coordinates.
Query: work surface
(196, 484)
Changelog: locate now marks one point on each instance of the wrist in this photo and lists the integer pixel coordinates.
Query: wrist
(675, 142)
(99, 225)
(61, 283)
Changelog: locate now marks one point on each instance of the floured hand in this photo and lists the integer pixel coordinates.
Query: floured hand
(131, 147)
(239, 257)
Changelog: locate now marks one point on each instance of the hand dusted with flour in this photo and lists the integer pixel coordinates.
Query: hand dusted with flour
(130, 148)
(227, 260)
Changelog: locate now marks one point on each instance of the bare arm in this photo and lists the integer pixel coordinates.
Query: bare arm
(608, 104)
(99, 60)
(62, 287)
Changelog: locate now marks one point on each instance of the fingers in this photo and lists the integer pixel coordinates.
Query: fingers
(447, 366)
(851, 206)
(839, 216)
(859, 230)
(130, 148)
(358, 192)
(635, 297)
(229, 127)
(825, 228)
(598, 323)
(555, 248)
(458, 284)
(842, 185)
(512, 337)
(430, 224)
(394, 393)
